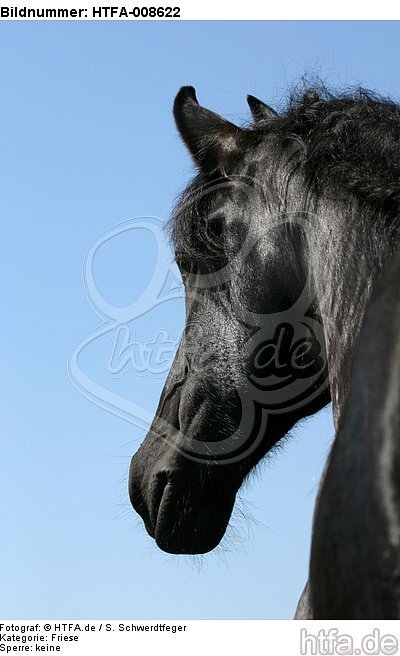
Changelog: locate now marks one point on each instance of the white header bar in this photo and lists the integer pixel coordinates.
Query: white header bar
(164, 10)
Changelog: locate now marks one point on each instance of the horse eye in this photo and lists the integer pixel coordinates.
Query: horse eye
(215, 226)
(184, 264)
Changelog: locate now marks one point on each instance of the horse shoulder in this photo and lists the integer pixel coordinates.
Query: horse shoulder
(355, 559)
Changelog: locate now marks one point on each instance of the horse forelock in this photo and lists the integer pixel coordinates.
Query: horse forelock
(346, 145)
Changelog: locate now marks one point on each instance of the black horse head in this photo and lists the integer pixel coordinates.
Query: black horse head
(251, 361)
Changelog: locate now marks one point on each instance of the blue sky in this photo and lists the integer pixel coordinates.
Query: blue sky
(87, 142)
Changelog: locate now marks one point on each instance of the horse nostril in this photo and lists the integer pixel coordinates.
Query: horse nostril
(158, 485)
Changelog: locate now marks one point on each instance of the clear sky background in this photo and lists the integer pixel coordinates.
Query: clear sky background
(88, 141)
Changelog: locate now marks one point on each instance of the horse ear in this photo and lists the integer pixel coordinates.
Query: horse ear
(260, 111)
(211, 140)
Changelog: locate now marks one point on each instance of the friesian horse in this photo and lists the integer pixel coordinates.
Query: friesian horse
(287, 241)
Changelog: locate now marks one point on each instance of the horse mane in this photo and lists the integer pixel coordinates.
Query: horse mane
(347, 143)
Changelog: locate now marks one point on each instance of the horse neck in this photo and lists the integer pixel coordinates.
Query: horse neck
(346, 254)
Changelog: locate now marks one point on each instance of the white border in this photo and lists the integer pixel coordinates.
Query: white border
(219, 9)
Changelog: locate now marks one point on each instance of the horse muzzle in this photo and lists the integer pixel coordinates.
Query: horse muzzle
(186, 509)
